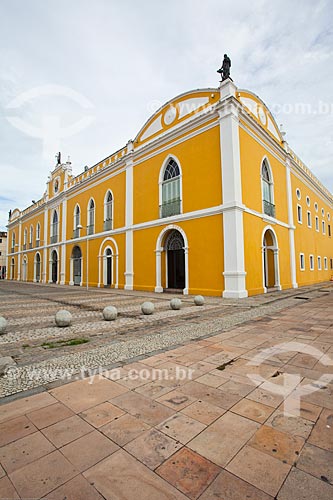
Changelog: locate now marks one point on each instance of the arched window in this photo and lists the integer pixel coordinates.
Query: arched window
(25, 238)
(76, 224)
(54, 227)
(13, 241)
(267, 189)
(108, 212)
(37, 267)
(170, 194)
(91, 217)
(31, 235)
(38, 235)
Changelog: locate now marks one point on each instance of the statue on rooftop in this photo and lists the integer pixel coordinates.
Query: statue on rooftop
(225, 68)
(58, 158)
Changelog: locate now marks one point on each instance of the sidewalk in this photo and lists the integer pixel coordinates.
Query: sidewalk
(189, 422)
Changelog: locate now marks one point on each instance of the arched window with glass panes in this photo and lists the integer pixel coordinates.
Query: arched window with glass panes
(31, 236)
(91, 217)
(38, 234)
(267, 189)
(108, 211)
(170, 189)
(54, 227)
(77, 218)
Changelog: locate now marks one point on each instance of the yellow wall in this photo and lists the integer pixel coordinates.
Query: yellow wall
(200, 162)
(117, 186)
(205, 256)
(308, 240)
(199, 156)
(252, 155)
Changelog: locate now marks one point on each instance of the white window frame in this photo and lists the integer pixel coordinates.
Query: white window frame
(38, 231)
(323, 226)
(94, 214)
(271, 186)
(31, 234)
(309, 218)
(299, 212)
(308, 201)
(311, 261)
(298, 193)
(106, 209)
(53, 224)
(302, 261)
(161, 182)
(325, 263)
(319, 263)
(317, 223)
(75, 222)
(25, 236)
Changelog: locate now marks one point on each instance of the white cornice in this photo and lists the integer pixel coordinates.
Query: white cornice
(206, 212)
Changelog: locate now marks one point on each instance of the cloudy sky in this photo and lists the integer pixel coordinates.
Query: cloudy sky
(93, 71)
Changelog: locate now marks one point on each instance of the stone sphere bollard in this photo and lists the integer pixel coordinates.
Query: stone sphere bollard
(147, 308)
(175, 304)
(63, 318)
(199, 300)
(110, 313)
(3, 325)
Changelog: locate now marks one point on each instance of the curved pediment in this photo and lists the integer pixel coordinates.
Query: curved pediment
(176, 111)
(260, 112)
(15, 214)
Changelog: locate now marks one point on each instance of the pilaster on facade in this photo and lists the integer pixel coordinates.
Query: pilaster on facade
(129, 272)
(44, 272)
(291, 229)
(19, 251)
(63, 246)
(233, 230)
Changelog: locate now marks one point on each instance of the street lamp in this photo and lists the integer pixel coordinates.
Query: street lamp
(87, 264)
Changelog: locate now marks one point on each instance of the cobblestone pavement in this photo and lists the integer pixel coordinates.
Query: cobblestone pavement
(244, 413)
(30, 309)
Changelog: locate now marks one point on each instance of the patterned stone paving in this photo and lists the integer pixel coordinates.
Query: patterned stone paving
(30, 308)
(186, 422)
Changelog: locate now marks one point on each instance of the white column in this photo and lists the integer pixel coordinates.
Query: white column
(277, 269)
(129, 221)
(19, 251)
(233, 232)
(158, 287)
(291, 227)
(185, 291)
(99, 270)
(44, 272)
(117, 270)
(63, 246)
(8, 260)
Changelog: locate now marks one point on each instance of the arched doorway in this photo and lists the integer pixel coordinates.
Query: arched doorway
(174, 247)
(108, 263)
(77, 265)
(54, 266)
(271, 275)
(108, 268)
(25, 269)
(12, 269)
(37, 268)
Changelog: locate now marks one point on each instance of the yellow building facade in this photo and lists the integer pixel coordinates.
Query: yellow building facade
(208, 198)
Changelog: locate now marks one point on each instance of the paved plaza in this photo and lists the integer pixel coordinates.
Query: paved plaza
(231, 400)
